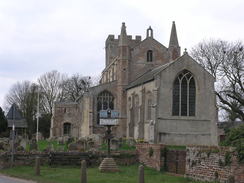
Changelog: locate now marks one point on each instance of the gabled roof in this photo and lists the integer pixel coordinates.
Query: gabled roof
(14, 117)
(154, 40)
(150, 75)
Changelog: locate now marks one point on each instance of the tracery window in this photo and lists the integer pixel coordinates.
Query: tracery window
(105, 100)
(184, 95)
(149, 56)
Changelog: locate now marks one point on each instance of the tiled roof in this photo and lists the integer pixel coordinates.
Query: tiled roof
(14, 117)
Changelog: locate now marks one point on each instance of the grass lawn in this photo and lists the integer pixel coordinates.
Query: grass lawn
(43, 144)
(128, 174)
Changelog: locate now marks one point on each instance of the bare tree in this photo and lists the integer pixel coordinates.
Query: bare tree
(50, 89)
(24, 95)
(75, 87)
(225, 61)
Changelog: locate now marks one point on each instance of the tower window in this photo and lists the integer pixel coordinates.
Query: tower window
(184, 95)
(67, 129)
(149, 56)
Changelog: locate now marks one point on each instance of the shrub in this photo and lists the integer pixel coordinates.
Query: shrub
(150, 152)
(235, 138)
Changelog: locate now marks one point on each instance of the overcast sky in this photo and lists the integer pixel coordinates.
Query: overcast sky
(37, 36)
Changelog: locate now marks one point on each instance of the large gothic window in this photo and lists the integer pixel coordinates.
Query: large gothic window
(105, 100)
(184, 95)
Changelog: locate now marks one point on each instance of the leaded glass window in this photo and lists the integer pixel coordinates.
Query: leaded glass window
(105, 100)
(184, 95)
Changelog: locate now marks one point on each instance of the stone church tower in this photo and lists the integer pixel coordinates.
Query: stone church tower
(131, 84)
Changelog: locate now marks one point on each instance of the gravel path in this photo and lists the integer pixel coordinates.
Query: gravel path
(5, 179)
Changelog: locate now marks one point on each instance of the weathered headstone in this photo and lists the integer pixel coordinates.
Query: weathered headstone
(33, 145)
(75, 147)
(20, 148)
(114, 144)
(23, 143)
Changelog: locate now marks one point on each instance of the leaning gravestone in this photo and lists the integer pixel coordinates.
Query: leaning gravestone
(75, 147)
(33, 145)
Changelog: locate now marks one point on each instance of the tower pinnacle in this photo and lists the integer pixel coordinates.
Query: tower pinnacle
(123, 36)
(173, 42)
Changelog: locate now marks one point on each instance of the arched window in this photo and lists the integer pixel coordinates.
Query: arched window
(149, 56)
(67, 129)
(184, 95)
(105, 100)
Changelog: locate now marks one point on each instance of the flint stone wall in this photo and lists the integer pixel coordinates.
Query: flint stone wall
(213, 164)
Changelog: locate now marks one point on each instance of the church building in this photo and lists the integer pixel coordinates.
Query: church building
(161, 95)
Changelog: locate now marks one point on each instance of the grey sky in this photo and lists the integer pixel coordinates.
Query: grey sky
(37, 36)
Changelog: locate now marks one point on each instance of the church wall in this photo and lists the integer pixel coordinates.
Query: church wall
(113, 89)
(141, 92)
(139, 64)
(181, 130)
(66, 113)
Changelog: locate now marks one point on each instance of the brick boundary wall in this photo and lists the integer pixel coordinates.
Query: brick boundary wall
(213, 164)
(171, 160)
(154, 161)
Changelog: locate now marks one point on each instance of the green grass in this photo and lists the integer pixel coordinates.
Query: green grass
(127, 174)
(43, 144)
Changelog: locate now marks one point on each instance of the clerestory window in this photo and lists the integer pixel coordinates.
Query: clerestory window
(184, 95)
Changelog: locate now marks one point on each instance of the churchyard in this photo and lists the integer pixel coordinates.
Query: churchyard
(127, 174)
(60, 161)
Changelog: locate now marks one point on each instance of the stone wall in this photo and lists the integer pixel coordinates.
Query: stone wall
(213, 164)
(22, 158)
(66, 158)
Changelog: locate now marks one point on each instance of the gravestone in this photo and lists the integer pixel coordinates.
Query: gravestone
(115, 144)
(23, 143)
(33, 145)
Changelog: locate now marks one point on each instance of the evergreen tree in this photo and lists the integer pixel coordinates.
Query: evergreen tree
(3, 122)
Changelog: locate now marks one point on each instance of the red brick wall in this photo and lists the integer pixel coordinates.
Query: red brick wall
(209, 164)
(155, 160)
(175, 160)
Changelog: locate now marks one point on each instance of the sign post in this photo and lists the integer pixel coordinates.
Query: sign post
(108, 118)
